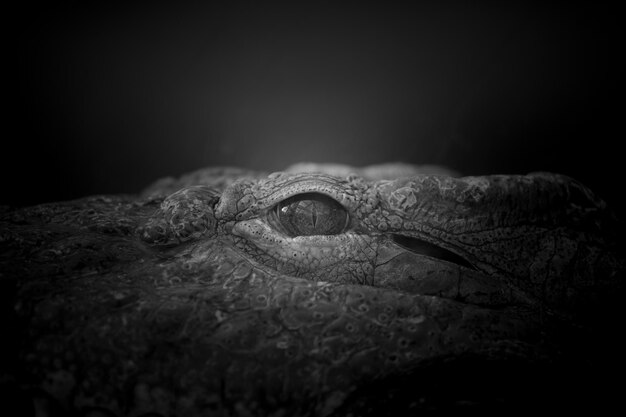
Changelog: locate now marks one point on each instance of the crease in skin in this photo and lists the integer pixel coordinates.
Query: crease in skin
(422, 247)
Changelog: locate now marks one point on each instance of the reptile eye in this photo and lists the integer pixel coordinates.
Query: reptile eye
(309, 214)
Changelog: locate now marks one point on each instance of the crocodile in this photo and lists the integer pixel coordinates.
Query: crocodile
(316, 291)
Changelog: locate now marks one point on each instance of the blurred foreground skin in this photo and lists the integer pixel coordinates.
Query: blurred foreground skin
(324, 290)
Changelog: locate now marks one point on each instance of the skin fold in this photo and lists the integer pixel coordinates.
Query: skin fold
(230, 292)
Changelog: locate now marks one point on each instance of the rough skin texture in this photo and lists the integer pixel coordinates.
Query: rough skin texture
(488, 294)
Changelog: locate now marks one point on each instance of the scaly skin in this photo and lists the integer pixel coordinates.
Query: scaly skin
(196, 302)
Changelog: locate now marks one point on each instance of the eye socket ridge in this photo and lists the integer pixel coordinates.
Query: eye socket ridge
(309, 214)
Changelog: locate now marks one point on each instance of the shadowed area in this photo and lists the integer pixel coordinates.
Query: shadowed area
(110, 96)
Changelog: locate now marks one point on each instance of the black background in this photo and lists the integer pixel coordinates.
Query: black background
(106, 98)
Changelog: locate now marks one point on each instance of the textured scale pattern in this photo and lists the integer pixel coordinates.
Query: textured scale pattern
(187, 301)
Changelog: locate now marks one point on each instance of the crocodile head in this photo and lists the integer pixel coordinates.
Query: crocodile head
(308, 294)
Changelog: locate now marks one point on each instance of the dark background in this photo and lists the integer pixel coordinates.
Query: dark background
(109, 97)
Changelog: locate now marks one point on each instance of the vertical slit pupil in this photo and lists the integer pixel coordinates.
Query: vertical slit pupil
(311, 214)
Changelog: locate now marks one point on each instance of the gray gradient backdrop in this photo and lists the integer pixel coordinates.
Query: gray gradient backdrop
(107, 98)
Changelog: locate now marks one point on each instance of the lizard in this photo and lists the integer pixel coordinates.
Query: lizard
(309, 292)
